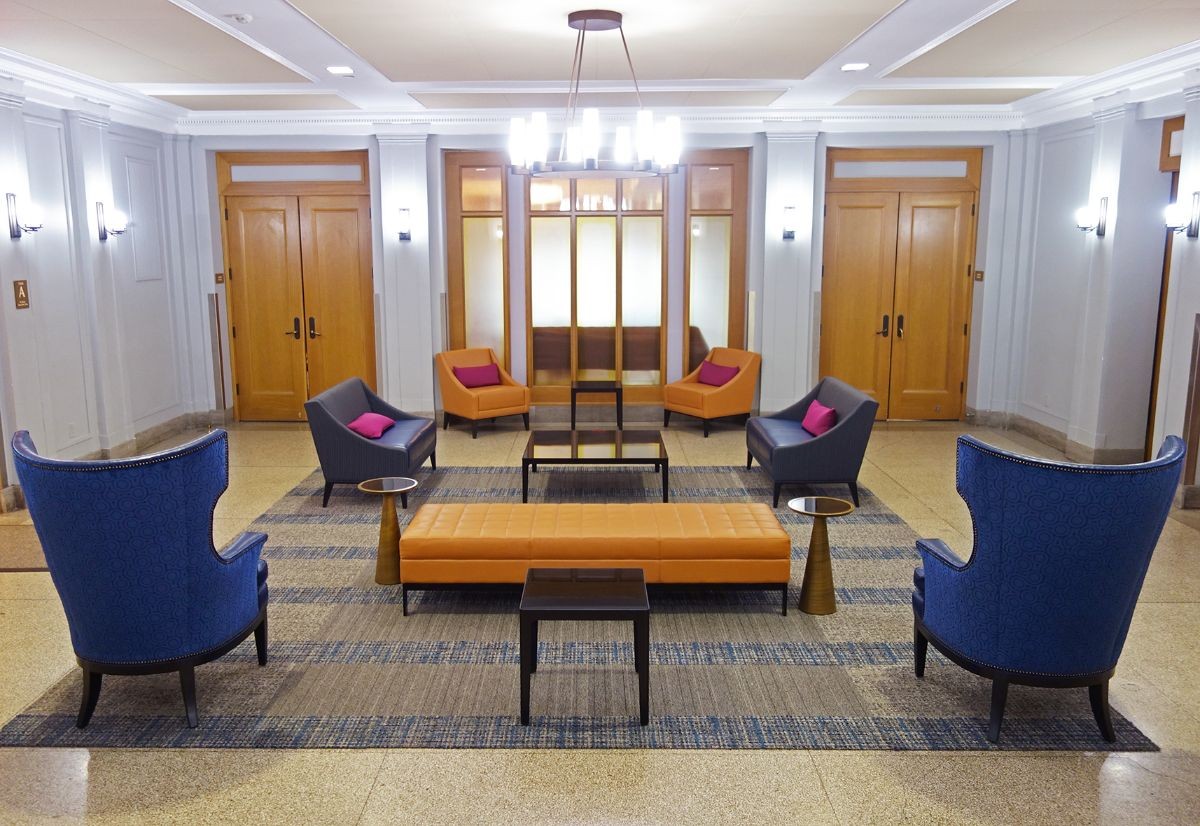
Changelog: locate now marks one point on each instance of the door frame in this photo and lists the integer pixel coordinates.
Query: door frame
(227, 187)
(969, 182)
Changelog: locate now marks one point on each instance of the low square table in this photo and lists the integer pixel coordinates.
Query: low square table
(586, 594)
(595, 447)
(578, 387)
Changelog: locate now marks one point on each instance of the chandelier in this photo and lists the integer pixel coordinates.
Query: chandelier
(650, 148)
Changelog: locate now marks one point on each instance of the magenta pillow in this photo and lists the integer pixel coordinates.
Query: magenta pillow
(371, 425)
(819, 418)
(484, 375)
(715, 374)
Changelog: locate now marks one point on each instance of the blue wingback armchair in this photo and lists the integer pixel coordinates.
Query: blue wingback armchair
(1060, 554)
(130, 549)
(792, 456)
(347, 458)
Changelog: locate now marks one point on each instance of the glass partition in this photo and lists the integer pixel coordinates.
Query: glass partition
(708, 285)
(482, 189)
(641, 299)
(550, 300)
(596, 297)
(483, 276)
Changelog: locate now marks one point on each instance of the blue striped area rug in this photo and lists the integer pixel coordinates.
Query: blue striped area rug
(346, 670)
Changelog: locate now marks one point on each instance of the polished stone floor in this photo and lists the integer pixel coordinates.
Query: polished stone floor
(910, 466)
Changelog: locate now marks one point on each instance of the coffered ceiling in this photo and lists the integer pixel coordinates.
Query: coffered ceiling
(487, 59)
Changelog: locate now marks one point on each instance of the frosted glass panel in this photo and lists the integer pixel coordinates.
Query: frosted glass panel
(644, 194)
(271, 173)
(641, 300)
(550, 196)
(596, 297)
(708, 294)
(596, 195)
(483, 282)
(550, 276)
(712, 186)
(482, 189)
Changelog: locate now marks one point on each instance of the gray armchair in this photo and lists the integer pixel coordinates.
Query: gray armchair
(792, 456)
(347, 458)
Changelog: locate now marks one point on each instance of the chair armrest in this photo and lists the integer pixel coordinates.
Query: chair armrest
(936, 549)
(245, 542)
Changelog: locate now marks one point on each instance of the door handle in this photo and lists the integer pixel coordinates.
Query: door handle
(295, 331)
(312, 328)
(900, 326)
(884, 331)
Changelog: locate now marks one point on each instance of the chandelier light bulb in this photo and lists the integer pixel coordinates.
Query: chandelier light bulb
(590, 135)
(518, 145)
(623, 146)
(537, 139)
(574, 139)
(645, 136)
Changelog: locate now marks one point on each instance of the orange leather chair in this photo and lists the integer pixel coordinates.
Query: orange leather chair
(474, 403)
(734, 398)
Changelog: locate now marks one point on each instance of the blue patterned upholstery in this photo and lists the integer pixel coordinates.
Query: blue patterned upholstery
(1058, 562)
(346, 457)
(791, 455)
(129, 547)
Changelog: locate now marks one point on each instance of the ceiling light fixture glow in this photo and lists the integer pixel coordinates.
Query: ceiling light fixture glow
(340, 71)
(657, 145)
(855, 67)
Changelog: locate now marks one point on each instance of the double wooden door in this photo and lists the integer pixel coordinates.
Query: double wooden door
(302, 299)
(895, 298)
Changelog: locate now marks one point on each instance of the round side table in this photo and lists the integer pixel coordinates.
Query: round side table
(816, 593)
(387, 561)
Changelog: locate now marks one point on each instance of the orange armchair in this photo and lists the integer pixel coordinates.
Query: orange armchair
(734, 398)
(474, 403)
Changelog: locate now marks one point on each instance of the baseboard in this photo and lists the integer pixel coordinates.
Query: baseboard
(11, 498)
(1188, 497)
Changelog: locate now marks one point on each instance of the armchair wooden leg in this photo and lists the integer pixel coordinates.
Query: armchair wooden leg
(999, 698)
(706, 425)
(187, 681)
(920, 649)
(778, 487)
(260, 641)
(91, 693)
(404, 501)
(525, 418)
(1098, 694)
(328, 491)
(474, 428)
(854, 492)
(433, 460)
(666, 418)
(445, 421)
(749, 459)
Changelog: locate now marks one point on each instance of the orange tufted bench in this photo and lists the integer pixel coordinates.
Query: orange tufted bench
(727, 544)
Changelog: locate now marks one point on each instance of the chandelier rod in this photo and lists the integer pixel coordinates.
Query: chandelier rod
(572, 91)
(636, 90)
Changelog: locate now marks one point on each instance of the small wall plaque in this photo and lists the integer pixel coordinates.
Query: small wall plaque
(21, 294)
(220, 278)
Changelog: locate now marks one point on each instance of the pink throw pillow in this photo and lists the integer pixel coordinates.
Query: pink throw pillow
(819, 418)
(371, 425)
(716, 374)
(485, 375)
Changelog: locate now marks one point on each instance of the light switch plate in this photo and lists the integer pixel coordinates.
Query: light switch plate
(978, 275)
(220, 278)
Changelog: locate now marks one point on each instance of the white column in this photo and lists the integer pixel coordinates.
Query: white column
(91, 182)
(407, 321)
(1120, 306)
(1183, 293)
(790, 273)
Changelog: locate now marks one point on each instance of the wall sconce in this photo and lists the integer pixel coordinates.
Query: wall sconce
(116, 224)
(1179, 219)
(1088, 218)
(405, 224)
(789, 223)
(16, 226)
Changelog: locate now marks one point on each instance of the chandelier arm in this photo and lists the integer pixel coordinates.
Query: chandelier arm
(637, 91)
(572, 85)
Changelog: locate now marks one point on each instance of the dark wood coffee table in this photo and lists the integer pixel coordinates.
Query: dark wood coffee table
(586, 594)
(595, 447)
(578, 387)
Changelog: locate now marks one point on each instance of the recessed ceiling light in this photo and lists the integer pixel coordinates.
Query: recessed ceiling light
(854, 67)
(344, 71)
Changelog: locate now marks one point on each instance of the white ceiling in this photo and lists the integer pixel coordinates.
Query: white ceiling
(976, 56)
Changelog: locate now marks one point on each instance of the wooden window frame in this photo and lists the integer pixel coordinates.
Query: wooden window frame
(227, 160)
(561, 394)
(453, 161)
(739, 160)
(972, 156)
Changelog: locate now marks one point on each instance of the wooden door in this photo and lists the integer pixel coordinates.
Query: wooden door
(339, 293)
(933, 282)
(857, 290)
(267, 307)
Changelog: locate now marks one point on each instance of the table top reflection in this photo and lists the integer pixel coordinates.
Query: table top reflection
(595, 446)
(820, 506)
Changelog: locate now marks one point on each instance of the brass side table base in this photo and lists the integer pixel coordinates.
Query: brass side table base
(816, 592)
(387, 560)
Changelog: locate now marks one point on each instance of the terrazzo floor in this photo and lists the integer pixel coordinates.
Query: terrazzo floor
(911, 467)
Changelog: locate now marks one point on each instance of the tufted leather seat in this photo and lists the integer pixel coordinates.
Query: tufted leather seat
(672, 543)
